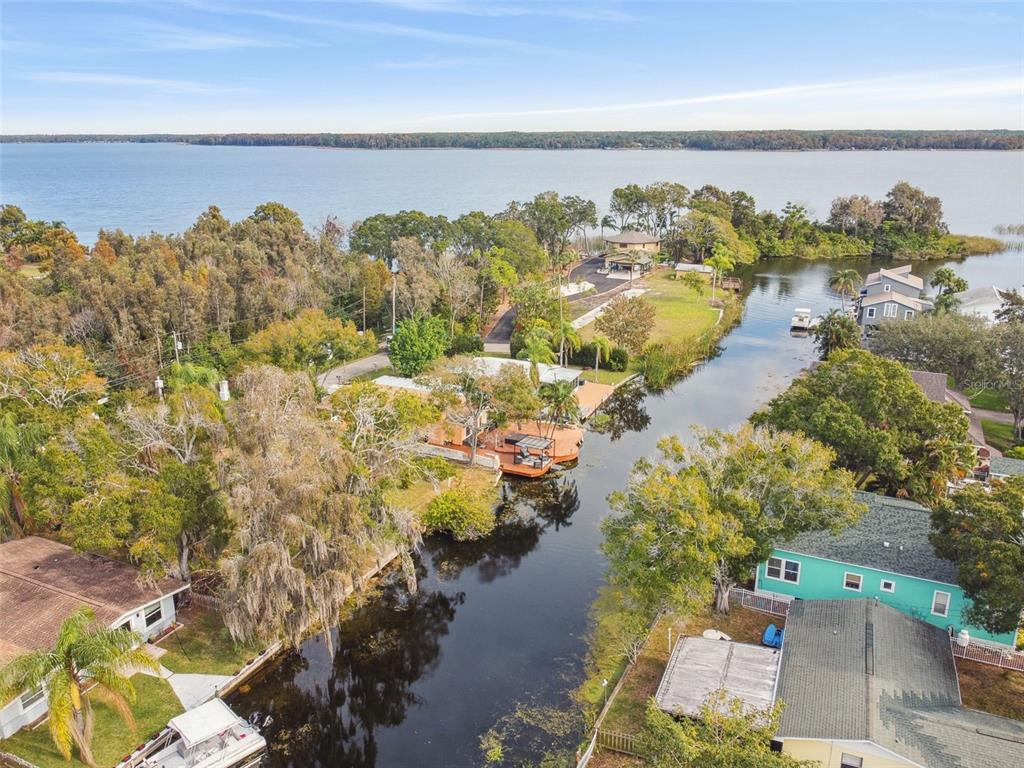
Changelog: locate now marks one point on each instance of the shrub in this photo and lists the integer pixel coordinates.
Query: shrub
(456, 513)
(618, 360)
(465, 344)
(1017, 452)
(418, 341)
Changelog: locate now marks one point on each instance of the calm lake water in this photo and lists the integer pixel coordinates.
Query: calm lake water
(415, 680)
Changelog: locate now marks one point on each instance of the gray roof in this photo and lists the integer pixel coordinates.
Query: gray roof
(700, 666)
(1000, 465)
(933, 384)
(904, 524)
(861, 670)
(632, 237)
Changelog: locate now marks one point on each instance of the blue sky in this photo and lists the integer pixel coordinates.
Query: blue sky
(430, 65)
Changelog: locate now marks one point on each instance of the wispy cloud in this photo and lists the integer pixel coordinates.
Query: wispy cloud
(914, 87)
(163, 85)
(387, 29)
(427, 62)
(579, 11)
(168, 37)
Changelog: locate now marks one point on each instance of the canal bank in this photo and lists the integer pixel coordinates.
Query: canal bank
(501, 623)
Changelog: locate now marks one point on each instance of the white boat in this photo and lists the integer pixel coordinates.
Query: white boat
(802, 320)
(209, 736)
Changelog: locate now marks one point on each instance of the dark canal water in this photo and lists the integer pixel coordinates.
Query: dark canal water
(415, 680)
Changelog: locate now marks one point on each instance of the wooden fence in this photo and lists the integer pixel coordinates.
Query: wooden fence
(776, 605)
(996, 656)
(617, 742)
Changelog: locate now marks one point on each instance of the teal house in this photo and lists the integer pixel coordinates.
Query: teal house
(886, 556)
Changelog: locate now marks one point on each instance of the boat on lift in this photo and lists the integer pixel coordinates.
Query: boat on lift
(208, 736)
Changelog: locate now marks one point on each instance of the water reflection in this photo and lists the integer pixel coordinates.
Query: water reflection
(625, 412)
(327, 711)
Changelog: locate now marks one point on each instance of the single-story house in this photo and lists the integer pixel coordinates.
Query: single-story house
(936, 388)
(866, 686)
(886, 555)
(632, 240)
(699, 666)
(42, 582)
(685, 266)
(636, 262)
(1001, 468)
(983, 301)
(491, 366)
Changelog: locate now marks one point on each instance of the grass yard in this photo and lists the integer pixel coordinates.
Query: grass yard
(998, 435)
(203, 646)
(627, 712)
(681, 312)
(991, 689)
(155, 704)
(990, 400)
(33, 271)
(478, 483)
(601, 376)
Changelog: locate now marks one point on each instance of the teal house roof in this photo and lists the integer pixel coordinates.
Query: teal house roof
(891, 536)
(1000, 465)
(862, 670)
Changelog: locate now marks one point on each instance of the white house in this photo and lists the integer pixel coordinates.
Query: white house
(42, 582)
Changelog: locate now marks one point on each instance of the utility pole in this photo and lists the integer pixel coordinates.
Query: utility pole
(364, 309)
(177, 346)
(394, 286)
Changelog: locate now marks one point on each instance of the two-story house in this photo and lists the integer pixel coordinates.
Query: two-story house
(886, 555)
(891, 294)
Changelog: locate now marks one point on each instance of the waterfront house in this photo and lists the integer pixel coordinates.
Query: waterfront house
(984, 302)
(1002, 468)
(866, 686)
(886, 555)
(631, 252)
(890, 294)
(43, 582)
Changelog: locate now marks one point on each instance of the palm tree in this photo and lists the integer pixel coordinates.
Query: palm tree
(565, 335)
(81, 653)
(602, 350)
(608, 222)
(18, 443)
(845, 282)
(721, 262)
(560, 404)
(537, 349)
(837, 330)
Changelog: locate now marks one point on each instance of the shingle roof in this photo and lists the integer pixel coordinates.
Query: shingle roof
(1000, 465)
(904, 524)
(861, 670)
(899, 298)
(42, 582)
(933, 384)
(632, 237)
(900, 274)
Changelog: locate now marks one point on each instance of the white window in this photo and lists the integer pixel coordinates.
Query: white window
(852, 581)
(30, 699)
(887, 585)
(940, 603)
(851, 761)
(890, 310)
(153, 614)
(871, 313)
(887, 287)
(908, 314)
(783, 570)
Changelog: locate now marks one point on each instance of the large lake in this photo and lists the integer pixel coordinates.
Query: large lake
(163, 187)
(415, 679)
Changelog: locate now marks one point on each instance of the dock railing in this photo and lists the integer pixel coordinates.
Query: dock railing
(988, 653)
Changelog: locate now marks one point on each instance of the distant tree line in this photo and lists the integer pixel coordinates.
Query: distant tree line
(707, 140)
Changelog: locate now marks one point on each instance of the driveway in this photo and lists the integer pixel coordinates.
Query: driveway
(501, 333)
(334, 378)
(588, 271)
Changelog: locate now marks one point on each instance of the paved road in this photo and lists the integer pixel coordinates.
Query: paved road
(501, 333)
(335, 377)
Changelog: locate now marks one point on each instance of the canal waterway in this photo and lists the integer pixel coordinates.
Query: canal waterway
(416, 679)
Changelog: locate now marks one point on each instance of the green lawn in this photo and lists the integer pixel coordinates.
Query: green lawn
(601, 376)
(155, 704)
(990, 400)
(682, 313)
(998, 435)
(477, 482)
(203, 646)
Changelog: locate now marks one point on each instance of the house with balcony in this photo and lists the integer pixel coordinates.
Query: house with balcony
(42, 582)
(887, 556)
(891, 294)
